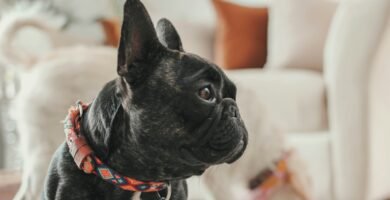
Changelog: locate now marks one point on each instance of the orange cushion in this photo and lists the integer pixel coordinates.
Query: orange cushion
(112, 30)
(241, 37)
(9, 184)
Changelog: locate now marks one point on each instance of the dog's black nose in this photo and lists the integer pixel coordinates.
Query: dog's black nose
(233, 111)
(230, 109)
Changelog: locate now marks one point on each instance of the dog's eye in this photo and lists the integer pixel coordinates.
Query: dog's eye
(206, 94)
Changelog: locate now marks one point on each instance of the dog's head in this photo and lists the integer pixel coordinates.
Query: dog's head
(179, 110)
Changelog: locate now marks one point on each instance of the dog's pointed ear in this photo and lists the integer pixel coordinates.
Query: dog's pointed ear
(139, 42)
(168, 35)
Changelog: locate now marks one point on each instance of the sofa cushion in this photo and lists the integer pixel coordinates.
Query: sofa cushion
(294, 99)
(241, 36)
(186, 10)
(194, 20)
(297, 33)
(196, 28)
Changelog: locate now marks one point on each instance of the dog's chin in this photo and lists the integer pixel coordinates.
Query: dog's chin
(220, 149)
(225, 142)
(238, 153)
(206, 156)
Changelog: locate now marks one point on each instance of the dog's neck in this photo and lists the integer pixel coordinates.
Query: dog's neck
(106, 127)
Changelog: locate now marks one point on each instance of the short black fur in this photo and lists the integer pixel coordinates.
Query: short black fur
(150, 123)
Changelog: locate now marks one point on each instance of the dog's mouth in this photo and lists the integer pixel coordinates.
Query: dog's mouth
(193, 157)
(226, 146)
(221, 138)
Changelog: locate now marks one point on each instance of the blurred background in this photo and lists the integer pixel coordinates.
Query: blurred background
(321, 68)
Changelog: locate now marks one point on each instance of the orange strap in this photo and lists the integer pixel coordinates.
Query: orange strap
(280, 175)
(87, 161)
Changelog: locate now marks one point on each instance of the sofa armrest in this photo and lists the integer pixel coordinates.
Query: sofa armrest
(348, 61)
(379, 173)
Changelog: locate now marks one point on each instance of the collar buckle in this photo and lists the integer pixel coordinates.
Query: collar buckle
(79, 105)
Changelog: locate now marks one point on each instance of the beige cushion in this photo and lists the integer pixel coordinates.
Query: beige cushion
(186, 10)
(196, 28)
(197, 38)
(294, 99)
(250, 3)
(297, 33)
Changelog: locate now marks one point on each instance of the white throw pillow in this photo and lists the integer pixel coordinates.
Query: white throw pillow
(297, 33)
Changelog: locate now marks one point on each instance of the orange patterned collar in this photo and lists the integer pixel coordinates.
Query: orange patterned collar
(87, 161)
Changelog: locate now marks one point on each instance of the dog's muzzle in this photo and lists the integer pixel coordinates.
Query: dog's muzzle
(225, 139)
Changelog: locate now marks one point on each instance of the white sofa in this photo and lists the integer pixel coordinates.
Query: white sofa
(336, 117)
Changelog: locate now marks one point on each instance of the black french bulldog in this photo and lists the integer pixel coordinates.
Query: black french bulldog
(168, 116)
